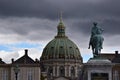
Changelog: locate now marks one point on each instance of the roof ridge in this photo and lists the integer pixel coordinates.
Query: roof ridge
(25, 59)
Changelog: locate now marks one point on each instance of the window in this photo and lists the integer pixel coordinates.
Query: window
(19, 78)
(72, 71)
(50, 70)
(116, 75)
(62, 71)
(4, 75)
(30, 77)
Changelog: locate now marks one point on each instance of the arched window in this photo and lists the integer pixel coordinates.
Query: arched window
(62, 71)
(72, 71)
(50, 71)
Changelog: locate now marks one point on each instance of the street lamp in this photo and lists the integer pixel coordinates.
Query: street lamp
(16, 70)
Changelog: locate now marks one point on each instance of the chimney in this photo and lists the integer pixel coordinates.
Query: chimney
(12, 60)
(116, 52)
(26, 51)
(0, 59)
(36, 60)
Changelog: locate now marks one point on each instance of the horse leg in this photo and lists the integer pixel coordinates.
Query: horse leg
(93, 50)
(99, 50)
(96, 51)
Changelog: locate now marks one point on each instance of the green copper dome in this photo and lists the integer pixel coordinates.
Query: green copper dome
(61, 47)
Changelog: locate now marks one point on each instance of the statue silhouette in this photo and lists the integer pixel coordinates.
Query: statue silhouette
(96, 40)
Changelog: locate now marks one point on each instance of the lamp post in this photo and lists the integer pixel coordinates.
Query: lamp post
(16, 70)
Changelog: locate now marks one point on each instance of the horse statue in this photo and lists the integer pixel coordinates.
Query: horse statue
(96, 40)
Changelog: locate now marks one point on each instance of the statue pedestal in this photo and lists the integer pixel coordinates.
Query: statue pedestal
(98, 69)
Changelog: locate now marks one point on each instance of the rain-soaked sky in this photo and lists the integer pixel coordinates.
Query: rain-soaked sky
(32, 24)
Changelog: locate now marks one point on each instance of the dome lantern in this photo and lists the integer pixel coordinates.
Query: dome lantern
(61, 29)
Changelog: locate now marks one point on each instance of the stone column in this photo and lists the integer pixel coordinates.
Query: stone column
(110, 75)
(69, 71)
(66, 70)
(57, 70)
(54, 70)
(89, 75)
(76, 71)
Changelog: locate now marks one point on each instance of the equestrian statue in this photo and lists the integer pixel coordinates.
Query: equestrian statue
(96, 40)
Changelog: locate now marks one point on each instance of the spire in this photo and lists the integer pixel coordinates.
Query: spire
(61, 28)
(61, 21)
(61, 17)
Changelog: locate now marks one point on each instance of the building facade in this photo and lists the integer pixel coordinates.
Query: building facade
(27, 69)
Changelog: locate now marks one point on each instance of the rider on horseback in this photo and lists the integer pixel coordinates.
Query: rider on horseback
(96, 39)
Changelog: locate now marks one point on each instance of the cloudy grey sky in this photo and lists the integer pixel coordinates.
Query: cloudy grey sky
(33, 23)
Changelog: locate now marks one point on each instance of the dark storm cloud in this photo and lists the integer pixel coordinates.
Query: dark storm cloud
(50, 8)
(78, 14)
(34, 29)
(29, 8)
(111, 26)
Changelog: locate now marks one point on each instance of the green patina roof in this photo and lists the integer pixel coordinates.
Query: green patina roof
(61, 47)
